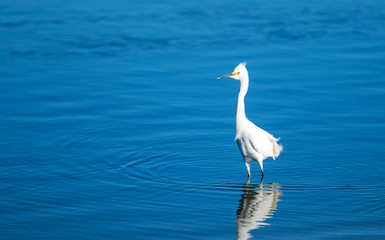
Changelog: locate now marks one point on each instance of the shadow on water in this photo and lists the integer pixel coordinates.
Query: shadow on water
(258, 203)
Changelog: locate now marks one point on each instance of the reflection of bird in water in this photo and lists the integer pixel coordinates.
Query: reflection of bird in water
(255, 143)
(259, 202)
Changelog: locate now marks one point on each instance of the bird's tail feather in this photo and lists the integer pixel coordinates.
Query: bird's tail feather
(277, 148)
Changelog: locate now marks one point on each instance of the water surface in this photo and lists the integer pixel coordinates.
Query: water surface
(114, 126)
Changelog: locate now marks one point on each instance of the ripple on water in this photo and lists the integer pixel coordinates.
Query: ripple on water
(256, 202)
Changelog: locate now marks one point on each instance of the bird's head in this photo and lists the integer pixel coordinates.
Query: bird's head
(239, 72)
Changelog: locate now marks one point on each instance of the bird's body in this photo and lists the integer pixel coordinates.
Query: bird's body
(253, 142)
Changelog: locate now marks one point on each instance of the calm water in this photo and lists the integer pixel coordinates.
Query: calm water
(114, 126)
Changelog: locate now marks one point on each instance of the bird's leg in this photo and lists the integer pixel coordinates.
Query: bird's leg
(262, 176)
(261, 165)
(248, 167)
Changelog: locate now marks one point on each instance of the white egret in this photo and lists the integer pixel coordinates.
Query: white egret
(253, 142)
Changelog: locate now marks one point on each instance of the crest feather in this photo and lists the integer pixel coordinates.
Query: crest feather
(243, 64)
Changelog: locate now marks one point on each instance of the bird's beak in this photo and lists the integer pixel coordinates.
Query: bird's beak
(229, 75)
(226, 76)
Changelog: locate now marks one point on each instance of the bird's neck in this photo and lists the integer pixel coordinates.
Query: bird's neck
(241, 115)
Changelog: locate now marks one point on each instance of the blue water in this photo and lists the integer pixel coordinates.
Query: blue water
(114, 126)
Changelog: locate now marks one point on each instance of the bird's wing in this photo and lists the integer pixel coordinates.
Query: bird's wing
(263, 142)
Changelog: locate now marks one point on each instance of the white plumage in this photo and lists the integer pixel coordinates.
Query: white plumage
(253, 142)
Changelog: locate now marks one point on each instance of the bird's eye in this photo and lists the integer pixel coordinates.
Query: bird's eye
(236, 73)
